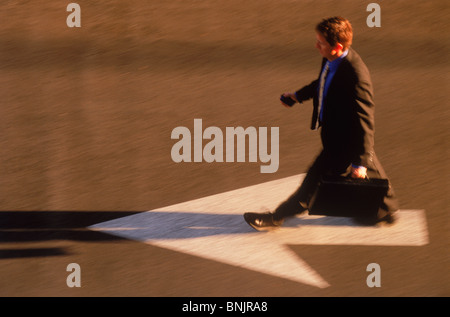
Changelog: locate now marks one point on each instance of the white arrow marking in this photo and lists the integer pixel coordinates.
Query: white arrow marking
(213, 228)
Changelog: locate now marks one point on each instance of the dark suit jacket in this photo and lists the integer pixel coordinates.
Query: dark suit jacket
(347, 130)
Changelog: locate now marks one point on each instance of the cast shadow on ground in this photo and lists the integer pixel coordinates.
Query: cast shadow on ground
(158, 225)
(41, 226)
(31, 252)
(32, 226)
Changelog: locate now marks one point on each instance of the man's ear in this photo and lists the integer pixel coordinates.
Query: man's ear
(337, 49)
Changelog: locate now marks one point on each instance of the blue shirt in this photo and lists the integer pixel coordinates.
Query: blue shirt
(333, 66)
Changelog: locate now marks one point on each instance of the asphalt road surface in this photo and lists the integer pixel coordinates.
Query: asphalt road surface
(87, 114)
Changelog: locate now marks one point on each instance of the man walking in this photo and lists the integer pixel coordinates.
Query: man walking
(344, 111)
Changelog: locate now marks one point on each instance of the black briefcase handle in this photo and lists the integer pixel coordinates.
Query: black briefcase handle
(354, 181)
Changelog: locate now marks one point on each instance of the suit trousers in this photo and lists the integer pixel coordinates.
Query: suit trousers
(299, 200)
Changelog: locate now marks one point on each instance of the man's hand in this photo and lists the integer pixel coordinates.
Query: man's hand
(359, 172)
(289, 95)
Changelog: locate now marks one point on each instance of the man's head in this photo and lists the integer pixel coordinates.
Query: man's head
(334, 36)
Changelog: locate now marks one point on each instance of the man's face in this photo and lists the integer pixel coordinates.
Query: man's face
(324, 47)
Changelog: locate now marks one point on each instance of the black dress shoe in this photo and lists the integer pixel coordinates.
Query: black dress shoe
(262, 221)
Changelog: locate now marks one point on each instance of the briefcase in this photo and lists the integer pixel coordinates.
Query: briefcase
(348, 197)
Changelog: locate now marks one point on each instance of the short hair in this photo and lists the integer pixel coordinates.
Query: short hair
(336, 30)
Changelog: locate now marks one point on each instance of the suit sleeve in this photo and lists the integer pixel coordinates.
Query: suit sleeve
(364, 117)
(307, 92)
